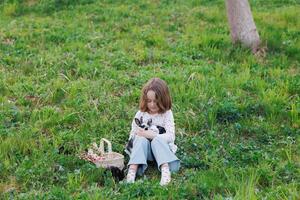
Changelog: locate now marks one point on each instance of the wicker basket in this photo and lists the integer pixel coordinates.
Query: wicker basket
(110, 158)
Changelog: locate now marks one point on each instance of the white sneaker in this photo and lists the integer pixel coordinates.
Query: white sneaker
(131, 176)
(165, 176)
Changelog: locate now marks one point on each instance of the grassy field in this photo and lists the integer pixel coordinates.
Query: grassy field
(71, 73)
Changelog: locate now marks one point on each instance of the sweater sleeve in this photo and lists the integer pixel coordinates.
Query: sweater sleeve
(134, 126)
(169, 136)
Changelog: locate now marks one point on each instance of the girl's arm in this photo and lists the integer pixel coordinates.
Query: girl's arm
(147, 134)
(134, 127)
(169, 136)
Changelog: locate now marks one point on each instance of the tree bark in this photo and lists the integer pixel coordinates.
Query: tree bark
(242, 26)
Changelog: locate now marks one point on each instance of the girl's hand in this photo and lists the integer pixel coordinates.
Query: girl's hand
(141, 132)
(147, 134)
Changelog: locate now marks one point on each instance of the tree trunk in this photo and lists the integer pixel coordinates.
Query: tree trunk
(242, 26)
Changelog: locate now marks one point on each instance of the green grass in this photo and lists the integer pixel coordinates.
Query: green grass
(71, 73)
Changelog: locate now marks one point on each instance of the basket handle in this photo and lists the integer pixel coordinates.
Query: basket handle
(102, 145)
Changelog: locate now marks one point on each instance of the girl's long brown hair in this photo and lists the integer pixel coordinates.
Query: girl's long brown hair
(162, 95)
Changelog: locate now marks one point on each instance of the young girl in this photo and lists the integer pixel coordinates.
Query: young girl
(155, 106)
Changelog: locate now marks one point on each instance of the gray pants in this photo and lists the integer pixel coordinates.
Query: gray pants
(157, 149)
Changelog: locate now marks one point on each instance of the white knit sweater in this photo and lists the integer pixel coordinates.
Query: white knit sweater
(165, 120)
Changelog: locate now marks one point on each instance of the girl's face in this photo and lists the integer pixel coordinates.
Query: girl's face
(152, 102)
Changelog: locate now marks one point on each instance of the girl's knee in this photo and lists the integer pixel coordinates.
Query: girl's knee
(157, 140)
(142, 140)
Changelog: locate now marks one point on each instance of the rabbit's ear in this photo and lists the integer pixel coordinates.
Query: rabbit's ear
(141, 119)
(149, 122)
(137, 121)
